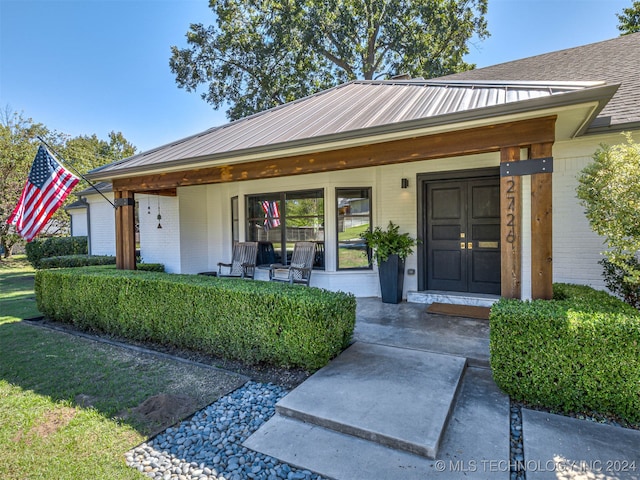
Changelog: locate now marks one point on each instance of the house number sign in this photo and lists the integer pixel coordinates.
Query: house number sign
(511, 217)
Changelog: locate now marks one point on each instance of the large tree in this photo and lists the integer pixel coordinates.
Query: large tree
(18, 146)
(629, 19)
(262, 53)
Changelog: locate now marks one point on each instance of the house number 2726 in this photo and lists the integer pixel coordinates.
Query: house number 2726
(511, 218)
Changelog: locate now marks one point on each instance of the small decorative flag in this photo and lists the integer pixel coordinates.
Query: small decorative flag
(271, 214)
(48, 185)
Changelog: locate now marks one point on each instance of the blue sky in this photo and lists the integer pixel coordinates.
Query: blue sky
(92, 66)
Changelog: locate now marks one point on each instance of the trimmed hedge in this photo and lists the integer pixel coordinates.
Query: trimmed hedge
(36, 250)
(578, 352)
(72, 261)
(68, 261)
(150, 267)
(251, 321)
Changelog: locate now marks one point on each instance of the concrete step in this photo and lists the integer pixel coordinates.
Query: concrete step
(477, 436)
(456, 298)
(395, 397)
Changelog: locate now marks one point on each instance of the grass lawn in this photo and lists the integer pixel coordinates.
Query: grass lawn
(68, 404)
(17, 300)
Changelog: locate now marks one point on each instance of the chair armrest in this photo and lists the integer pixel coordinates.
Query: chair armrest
(220, 264)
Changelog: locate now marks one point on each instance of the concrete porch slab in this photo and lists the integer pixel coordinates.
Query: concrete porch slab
(475, 444)
(556, 446)
(409, 325)
(396, 397)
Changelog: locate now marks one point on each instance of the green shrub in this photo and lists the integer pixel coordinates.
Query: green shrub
(150, 267)
(68, 261)
(577, 352)
(55, 247)
(618, 281)
(252, 321)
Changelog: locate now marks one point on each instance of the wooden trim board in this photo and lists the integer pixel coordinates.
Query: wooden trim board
(466, 311)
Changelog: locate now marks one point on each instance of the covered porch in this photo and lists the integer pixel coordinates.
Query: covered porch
(516, 139)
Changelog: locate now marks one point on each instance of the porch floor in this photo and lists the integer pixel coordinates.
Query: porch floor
(408, 325)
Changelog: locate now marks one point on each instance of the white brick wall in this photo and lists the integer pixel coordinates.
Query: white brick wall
(160, 245)
(194, 250)
(103, 225)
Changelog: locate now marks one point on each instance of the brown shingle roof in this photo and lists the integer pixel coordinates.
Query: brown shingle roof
(613, 61)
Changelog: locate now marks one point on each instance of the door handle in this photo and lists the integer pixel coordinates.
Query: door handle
(470, 246)
(462, 245)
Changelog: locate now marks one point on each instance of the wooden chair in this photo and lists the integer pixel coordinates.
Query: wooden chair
(300, 268)
(243, 261)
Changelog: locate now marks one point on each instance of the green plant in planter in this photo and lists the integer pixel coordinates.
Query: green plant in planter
(389, 242)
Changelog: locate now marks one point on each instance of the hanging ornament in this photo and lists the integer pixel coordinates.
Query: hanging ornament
(159, 216)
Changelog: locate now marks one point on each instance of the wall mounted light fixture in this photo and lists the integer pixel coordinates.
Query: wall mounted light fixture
(404, 182)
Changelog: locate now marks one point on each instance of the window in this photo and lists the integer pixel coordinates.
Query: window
(235, 220)
(354, 218)
(278, 220)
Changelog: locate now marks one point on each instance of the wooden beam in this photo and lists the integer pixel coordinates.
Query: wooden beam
(511, 228)
(541, 228)
(125, 231)
(442, 145)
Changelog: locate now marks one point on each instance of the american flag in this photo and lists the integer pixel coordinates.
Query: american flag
(48, 185)
(271, 214)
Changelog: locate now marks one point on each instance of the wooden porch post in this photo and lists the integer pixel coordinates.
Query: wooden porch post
(510, 228)
(125, 230)
(541, 228)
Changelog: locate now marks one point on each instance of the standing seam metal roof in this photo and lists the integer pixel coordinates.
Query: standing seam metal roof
(349, 107)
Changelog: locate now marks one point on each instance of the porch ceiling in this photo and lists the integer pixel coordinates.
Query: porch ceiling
(574, 105)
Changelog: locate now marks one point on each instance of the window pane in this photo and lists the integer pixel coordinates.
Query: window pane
(286, 218)
(305, 222)
(354, 218)
(235, 220)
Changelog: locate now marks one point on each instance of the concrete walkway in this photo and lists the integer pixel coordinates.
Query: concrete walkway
(413, 398)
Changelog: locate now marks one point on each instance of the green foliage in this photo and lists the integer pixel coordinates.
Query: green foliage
(578, 352)
(616, 280)
(18, 147)
(150, 267)
(260, 54)
(254, 322)
(629, 19)
(610, 191)
(389, 242)
(54, 247)
(69, 261)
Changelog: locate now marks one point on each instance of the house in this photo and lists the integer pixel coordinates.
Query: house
(481, 166)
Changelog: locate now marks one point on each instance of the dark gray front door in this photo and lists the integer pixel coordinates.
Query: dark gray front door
(463, 235)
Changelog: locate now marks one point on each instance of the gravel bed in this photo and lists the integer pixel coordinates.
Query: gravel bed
(517, 472)
(209, 445)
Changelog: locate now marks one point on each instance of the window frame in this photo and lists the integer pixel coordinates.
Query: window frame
(282, 199)
(338, 191)
(235, 220)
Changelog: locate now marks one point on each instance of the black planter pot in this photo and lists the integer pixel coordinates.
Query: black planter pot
(391, 274)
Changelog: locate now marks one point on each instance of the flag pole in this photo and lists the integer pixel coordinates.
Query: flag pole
(75, 170)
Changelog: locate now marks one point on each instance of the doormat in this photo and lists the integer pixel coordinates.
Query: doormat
(467, 311)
